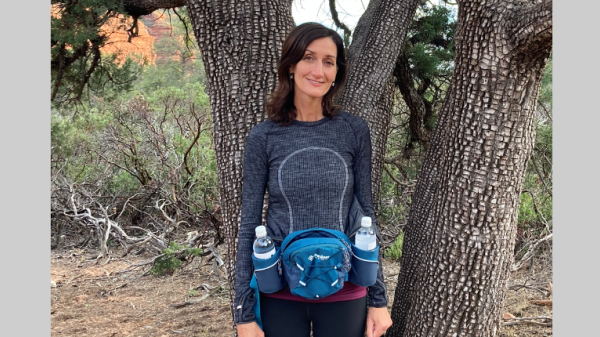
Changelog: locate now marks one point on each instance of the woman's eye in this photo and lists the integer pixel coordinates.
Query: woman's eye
(329, 63)
(308, 58)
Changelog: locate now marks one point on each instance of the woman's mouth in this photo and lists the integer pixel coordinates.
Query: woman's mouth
(315, 83)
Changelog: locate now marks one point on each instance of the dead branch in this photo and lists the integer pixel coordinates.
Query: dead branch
(547, 303)
(108, 292)
(544, 184)
(544, 292)
(547, 321)
(530, 253)
(131, 247)
(189, 302)
(73, 278)
(125, 205)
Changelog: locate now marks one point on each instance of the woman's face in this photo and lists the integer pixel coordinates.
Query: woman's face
(316, 70)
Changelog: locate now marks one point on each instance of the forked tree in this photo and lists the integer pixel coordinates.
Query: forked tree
(460, 235)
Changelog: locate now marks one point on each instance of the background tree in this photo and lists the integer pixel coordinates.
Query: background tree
(461, 231)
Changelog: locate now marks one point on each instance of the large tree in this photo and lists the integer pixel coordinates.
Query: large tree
(460, 235)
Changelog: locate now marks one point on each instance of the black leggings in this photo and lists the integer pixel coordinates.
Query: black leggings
(284, 318)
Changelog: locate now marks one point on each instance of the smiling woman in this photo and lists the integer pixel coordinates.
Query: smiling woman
(315, 162)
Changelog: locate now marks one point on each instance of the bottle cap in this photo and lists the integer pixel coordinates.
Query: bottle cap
(260, 231)
(365, 221)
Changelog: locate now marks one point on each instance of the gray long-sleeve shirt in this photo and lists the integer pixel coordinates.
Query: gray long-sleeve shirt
(311, 170)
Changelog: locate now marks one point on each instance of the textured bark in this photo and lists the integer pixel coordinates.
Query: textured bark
(461, 231)
(377, 41)
(240, 43)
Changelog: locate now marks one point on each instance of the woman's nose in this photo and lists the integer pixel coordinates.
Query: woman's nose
(317, 69)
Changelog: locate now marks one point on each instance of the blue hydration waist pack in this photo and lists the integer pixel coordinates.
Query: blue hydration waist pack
(315, 263)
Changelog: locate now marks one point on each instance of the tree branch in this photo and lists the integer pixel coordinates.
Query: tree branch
(415, 101)
(339, 24)
(533, 25)
(145, 7)
(548, 190)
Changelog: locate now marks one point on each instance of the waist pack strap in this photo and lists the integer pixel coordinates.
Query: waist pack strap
(315, 232)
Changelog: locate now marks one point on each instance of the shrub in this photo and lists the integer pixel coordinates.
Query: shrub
(172, 259)
(394, 251)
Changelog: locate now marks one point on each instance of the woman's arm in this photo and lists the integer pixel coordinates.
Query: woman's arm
(255, 177)
(376, 294)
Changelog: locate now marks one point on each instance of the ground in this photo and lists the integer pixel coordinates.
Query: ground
(99, 299)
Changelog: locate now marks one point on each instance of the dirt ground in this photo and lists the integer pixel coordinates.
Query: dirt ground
(90, 299)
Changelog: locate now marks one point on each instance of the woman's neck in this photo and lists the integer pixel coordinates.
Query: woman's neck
(308, 110)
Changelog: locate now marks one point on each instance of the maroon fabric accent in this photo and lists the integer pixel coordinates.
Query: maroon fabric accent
(350, 291)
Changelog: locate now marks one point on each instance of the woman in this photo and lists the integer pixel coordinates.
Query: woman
(313, 159)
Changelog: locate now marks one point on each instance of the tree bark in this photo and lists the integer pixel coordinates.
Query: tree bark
(240, 43)
(460, 236)
(368, 93)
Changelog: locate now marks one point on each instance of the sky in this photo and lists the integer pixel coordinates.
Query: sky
(349, 11)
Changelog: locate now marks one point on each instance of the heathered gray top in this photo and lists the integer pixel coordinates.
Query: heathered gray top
(311, 171)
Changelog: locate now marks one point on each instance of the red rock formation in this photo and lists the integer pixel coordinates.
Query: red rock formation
(141, 47)
(159, 27)
(152, 28)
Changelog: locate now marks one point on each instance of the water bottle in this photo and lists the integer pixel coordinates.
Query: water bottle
(264, 247)
(365, 238)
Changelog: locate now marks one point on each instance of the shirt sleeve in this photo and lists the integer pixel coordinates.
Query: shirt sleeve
(377, 293)
(255, 176)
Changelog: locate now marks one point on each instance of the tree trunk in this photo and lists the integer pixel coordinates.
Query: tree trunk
(460, 236)
(368, 93)
(240, 43)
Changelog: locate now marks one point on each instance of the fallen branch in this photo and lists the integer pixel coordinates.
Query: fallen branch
(74, 277)
(141, 243)
(183, 304)
(115, 288)
(544, 292)
(529, 320)
(547, 303)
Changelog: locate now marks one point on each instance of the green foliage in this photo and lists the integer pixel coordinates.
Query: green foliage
(528, 216)
(76, 61)
(172, 259)
(430, 42)
(394, 251)
(545, 97)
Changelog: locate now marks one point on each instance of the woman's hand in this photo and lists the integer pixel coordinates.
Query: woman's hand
(378, 321)
(249, 330)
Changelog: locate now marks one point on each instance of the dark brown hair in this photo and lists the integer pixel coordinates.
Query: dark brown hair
(280, 108)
